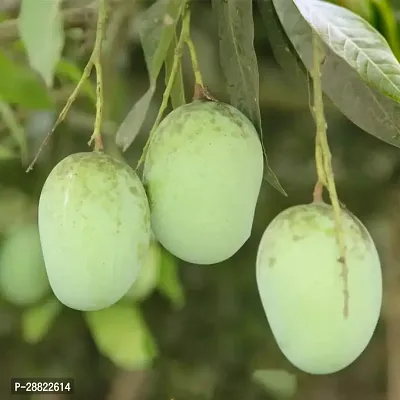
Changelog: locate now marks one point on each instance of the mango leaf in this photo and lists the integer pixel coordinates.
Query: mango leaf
(21, 85)
(384, 20)
(178, 90)
(6, 153)
(360, 73)
(41, 30)
(169, 283)
(282, 48)
(148, 276)
(362, 8)
(156, 29)
(278, 383)
(239, 63)
(66, 69)
(37, 320)
(121, 335)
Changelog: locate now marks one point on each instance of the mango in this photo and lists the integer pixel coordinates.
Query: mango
(23, 278)
(300, 282)
(203, 172)
(94, 223)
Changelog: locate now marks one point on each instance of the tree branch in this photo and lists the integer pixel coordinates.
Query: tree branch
(73, 18)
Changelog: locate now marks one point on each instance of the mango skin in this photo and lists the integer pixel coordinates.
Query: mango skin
(94, 223)
(23, 278)
(301, 287)
(203, 172)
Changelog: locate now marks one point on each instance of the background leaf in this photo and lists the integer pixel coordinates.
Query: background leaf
(41, 30)
(121, 334)
(278, 383)
(364, 105)
(22, 85)
(67, 70)
(282, 48)
(384, 19)
(178, 90)
(148, 276)
(239, 63)
(156, 29)
(169, 283)
(37, 320)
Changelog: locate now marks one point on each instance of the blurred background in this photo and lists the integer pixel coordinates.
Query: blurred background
(209, 347)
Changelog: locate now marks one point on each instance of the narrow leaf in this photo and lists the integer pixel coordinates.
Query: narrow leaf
(132, 124)
(156, 29)
(17, 131)
(41, 30)
(21, 86)
(121, 334)
(178, 89)
(169, 283)
(282, 48)
(278, 383)
(359, 74)
(239, 63)
(37, 320)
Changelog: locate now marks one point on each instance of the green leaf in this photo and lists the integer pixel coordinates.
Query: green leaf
(6, 153)
(278, 383)
(385, 21)
(359, 73)
(121, 335)
(37, 320)
(66, 69)
(156, 29)
(169, 283)
(148, 276)
(239, 63)
(355, 41)
(22, 86)
(41, 30)
(282, 48)
(178, 90)
(362, 8)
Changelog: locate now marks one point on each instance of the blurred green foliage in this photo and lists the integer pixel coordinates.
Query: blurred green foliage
(216, 336)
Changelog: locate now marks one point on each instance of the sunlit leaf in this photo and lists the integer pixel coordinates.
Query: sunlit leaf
(66, 69)
(169, 283)
(239, 62)
(41, 30)
(22, 86)
(278, 383)
(178, 90)
(121, 334)
(360, 74)
(37, 320)
(156, 29)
